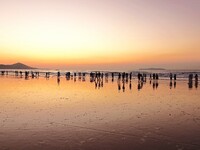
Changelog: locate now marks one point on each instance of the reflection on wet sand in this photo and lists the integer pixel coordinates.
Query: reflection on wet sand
(98, 111)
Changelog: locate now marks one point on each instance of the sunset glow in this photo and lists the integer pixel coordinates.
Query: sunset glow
(100, 34)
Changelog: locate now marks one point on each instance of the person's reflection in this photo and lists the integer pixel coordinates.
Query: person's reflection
(74, 78)
(190, 84)
(119, 84)
(26, 77)
(83, 79)
(95, 84)
(106, 80)
(170, 84)
(91, 79)
(174, 84)
(155, 84)
(67, 77)
(79, 78)
(140, 85)
(196, 84)
(130, 85)
(126, 80)
(58, 80)
(101, 82)
(123, 86)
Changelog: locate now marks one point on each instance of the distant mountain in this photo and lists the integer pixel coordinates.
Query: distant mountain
(15, 66)
(152, 69)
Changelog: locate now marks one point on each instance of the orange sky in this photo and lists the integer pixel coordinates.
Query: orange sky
(100, 34)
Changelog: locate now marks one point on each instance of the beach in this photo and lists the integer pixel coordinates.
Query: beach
(43, 113)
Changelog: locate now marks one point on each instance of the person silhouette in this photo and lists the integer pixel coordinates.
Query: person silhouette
(174, 77)
(170, 76)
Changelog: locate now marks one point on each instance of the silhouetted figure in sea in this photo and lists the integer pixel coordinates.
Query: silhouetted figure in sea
(119, 76)
(106, 77)
(196, 77)
(38, 74)
(67, 75)
(47, 75)
(79, 76)
(20, 74)
(139, 76)
(123, 76)
(16, 73)
(130, 76)
(102, 75)
(157, 77)
(154, 76)
(190, 81)
(58, 74)
(170, 76)
(126, 76)
(112, 74)
(126, 80)
(26, 75)
(174, 77)
(92, 77)
(196, 80)
(144, 77)
(32, 75)
(150, 76)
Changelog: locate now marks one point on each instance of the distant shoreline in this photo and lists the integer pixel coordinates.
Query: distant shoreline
(152, 69)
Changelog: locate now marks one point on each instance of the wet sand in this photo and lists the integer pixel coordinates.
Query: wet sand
(46, 114)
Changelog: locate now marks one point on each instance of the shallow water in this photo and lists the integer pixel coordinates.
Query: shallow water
(66, 114)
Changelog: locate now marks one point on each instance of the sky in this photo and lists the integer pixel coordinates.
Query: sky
(101, 34)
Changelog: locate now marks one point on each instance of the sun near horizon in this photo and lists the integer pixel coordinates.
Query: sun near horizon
(85, 34)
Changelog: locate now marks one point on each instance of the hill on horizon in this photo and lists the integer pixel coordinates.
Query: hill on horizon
(16, 66)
